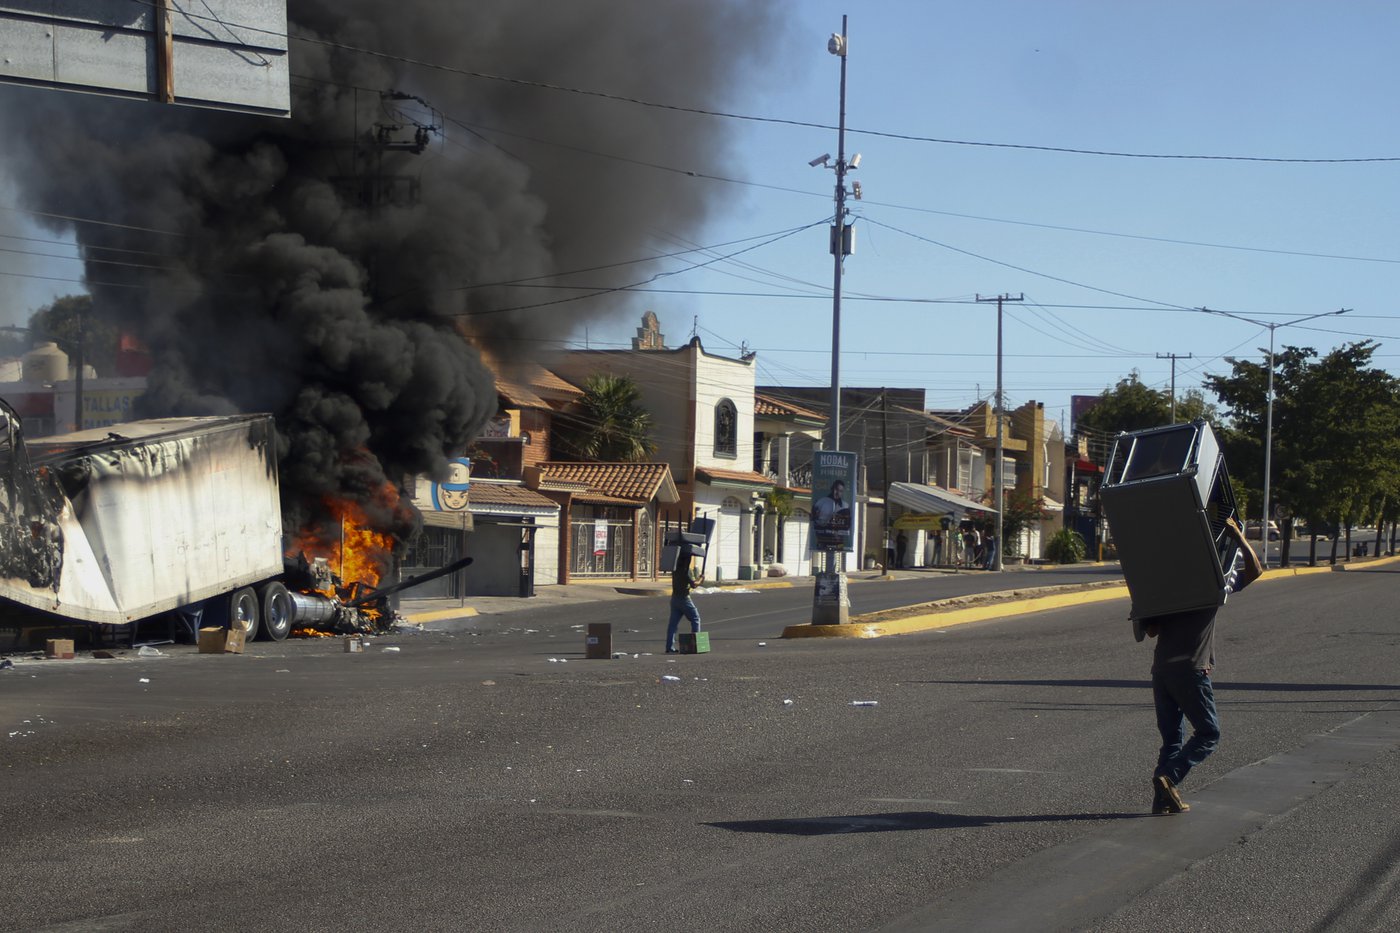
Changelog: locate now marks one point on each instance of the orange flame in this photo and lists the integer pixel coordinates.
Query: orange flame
(356, 553)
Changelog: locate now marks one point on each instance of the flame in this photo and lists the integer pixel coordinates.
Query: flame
(357, 553)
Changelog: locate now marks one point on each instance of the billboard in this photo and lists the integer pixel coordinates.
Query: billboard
(833, 500)
(225, 54)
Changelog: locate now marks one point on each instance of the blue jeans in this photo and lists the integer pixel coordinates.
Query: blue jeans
(1184, 695)
(681, 606)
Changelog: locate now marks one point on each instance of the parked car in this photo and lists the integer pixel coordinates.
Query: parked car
(1251, 530)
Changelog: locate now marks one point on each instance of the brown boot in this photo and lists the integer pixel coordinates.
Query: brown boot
(1167, 796)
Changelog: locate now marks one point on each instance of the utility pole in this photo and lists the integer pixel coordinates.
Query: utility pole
(1173, 357)
(885, 468)
(1000, 491)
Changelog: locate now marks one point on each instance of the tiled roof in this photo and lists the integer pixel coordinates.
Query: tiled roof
(748, 477)
(768, 405)
(527, 384)
(633, 482)
(507, 494)
(518, 396)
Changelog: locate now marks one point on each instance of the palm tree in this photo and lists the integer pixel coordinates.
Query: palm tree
(608, 423)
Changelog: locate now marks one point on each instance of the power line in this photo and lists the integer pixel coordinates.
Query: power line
(805, 124)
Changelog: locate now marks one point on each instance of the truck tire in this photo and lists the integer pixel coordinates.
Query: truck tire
(276, 605)
(243, 612)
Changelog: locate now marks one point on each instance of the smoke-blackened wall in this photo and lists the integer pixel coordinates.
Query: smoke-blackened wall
(303, 267)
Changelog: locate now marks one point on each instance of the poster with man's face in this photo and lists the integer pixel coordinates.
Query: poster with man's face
(833, 500)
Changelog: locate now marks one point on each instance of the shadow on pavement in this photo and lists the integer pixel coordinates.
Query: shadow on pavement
(899, 822)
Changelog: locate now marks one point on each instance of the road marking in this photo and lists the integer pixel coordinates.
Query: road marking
(1070, 886)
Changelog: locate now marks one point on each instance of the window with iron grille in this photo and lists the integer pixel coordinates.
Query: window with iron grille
(726, 429)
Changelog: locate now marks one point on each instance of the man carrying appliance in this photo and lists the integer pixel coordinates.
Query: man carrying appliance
(1182, 660)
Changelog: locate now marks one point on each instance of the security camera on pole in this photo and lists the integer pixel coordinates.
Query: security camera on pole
(834, 471)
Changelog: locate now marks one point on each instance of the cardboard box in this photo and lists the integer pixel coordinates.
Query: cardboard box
(694, 642)
(597, 645)
(221, 640)
(60, 649)
(354, 644)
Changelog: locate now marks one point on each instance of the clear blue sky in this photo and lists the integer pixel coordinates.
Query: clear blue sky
(1146, 236)
(1286, 80)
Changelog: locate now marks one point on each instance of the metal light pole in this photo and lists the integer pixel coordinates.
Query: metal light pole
(825, 608)
(1269, 410)
(837, 46)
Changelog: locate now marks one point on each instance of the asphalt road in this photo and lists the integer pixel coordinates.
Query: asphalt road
(488, 778)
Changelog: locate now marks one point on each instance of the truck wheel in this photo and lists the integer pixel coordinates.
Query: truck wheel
(276, 605)
(243, 612)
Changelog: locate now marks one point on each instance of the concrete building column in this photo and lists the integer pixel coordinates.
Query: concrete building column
(747, 568)
(784, 459)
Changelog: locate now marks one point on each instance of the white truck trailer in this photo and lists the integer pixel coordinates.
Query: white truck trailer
(117, 524)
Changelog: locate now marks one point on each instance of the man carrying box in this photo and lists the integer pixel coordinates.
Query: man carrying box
(1182, 661)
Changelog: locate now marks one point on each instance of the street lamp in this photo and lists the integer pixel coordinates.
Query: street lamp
(841, 242)
(1269, 405)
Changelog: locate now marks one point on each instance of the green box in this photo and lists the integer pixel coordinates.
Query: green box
(694, 642)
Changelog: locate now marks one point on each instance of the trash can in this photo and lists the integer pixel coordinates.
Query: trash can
(1167, 497)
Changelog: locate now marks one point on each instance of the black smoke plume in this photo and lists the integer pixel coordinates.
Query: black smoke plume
(298, 267)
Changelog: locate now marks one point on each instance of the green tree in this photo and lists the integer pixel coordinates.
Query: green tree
(607, 424)
(69, 321)
(1020, 509)
(1132, 406)
(1336, 435)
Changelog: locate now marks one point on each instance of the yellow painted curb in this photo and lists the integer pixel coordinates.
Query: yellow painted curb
(461, 612)
(950, 617)
(995, 610)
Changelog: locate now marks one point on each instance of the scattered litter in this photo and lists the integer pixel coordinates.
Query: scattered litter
(6, 664)
(103, 655)
(787, 702)
(553, 660)
(563, 660)
(709, 590)
(865, 702)
(146, 651)
(145, 680)
(392, 649)
(670, 678)
(282, 670)
(488, 683)
(687, 781)
(531, 631)
(763, 644)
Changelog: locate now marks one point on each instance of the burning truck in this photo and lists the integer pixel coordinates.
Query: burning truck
(116, 525)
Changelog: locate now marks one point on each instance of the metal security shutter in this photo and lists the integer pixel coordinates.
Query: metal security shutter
(724, 563)
(796, 559)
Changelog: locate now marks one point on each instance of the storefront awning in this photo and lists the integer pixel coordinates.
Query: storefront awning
(933, 500)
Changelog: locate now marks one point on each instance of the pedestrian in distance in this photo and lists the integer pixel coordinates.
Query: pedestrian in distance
(684, 578)
(1182, 660)
(991, 548)
(901, 546)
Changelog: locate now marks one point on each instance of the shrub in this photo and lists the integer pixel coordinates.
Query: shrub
(1066, 547)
